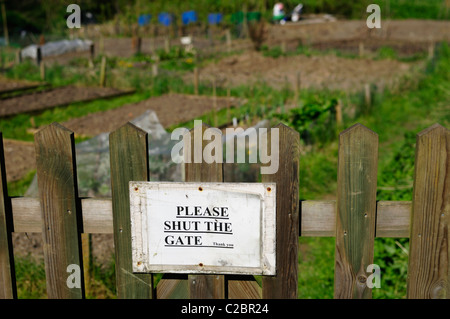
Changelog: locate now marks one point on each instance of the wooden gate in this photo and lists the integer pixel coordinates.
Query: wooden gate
(355, 218)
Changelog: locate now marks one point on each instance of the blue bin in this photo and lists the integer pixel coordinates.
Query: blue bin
(144, 19)
(165, 19)
(215, 18)
(189, 17)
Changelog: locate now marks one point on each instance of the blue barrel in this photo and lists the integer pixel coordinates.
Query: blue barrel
(189, 17)
(144, 19)
(215, 18)
(165, 18)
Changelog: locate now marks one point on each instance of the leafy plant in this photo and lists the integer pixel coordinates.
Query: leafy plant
(273, 52)
(314, 120)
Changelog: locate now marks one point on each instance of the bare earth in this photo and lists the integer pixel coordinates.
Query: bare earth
(171, 109)
(56, 97)
(319, 72)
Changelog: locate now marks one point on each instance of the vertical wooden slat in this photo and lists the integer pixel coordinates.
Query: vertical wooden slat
(243, 287)
(173, 286)
(7, 273)
(285, 284)
(356, 209)
(204, 286)
(60, 209)
(429, 257)
(129, 162)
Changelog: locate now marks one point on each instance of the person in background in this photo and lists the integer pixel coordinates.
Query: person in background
(278, 13)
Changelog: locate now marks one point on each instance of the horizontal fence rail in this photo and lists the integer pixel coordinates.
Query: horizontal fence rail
(355, 218)
(317, 218)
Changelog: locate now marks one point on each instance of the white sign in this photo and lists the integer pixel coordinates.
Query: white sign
(220, 228)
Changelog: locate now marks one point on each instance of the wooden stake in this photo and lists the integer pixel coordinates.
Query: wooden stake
(361, 49)
(5, 24)
(339, 113)
(196, 76)
(167, 44)
(136, 44)
(228, 104)
(297, 86)
(42, 69)
(431, 51)
(103, 72)
(38, 56)
(101, 45)
(367, 96)
(283, 47)
(91, 55)
(214, 103)
(18, 57)
(228, 38)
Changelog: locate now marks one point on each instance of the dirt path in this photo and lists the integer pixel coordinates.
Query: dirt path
(8, 85)
(171, 109)
(20, 159)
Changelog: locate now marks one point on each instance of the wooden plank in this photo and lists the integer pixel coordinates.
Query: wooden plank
(7, 273)
(243, 287)
(173, 286)
(318, 218)
(129, 162)
(61, 215)
(393, 219)
(97, 215)
(429, 257)
(203, 286)
(285, 284)
(356, 208)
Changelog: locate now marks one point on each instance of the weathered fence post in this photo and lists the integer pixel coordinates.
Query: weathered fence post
(128, 148)
(429, 256)
(285, 284)
(203, 286)
(7, 273)
(60, 210)
(356, 209)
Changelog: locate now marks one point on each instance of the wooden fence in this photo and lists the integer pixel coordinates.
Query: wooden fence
(355, 218)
